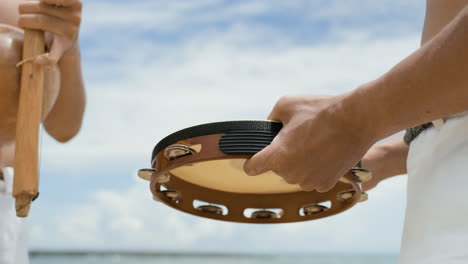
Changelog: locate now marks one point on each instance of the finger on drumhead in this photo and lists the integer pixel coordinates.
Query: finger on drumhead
(307, 187)
(324, 187)
(260, 162)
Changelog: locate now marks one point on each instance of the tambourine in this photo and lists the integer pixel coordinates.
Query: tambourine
(199, 170)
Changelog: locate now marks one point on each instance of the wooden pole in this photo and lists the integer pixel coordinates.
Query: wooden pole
(26, 180)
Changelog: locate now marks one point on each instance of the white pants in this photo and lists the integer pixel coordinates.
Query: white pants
(13, 232)
(436, 222)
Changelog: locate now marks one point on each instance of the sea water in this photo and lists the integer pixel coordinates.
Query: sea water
(211, 259)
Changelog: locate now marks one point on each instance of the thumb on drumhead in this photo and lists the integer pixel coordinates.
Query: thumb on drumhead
(260, 162)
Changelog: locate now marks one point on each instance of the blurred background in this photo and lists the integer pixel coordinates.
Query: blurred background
(153, 67)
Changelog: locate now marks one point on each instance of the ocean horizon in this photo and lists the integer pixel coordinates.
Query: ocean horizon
(127, 257)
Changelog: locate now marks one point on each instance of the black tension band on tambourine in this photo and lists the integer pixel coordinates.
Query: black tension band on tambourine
(245, 142)
(241, 137)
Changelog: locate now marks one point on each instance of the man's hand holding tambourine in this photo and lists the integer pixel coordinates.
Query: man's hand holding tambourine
(320, 141)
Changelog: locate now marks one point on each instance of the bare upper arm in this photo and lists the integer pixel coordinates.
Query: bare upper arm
(438, 14)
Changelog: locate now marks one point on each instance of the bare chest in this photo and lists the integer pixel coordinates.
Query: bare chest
(9, 12)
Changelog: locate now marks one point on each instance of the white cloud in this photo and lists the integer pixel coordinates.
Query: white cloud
(166, 16)
(211, 79)
(123, 220)
(140, 90)
(173, 15)
(131, 220)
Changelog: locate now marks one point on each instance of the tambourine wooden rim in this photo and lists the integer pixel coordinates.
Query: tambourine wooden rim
(234, 140)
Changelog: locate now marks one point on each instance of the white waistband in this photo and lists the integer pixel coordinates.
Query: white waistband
(440, 122)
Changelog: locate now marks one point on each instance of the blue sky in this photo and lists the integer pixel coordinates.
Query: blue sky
(153, 67)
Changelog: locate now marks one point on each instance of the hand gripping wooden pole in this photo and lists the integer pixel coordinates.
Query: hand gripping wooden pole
(26, 180)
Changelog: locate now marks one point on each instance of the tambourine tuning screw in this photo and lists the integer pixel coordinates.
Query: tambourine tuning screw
(346, 195)
(164, 178)
(211, 209)
(264, 214)
(177, 151)
(173, 195)
(146, 174)
(364, 197)
(363, 174)
(314, 209)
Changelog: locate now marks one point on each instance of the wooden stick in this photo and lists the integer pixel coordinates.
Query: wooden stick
(26, 180)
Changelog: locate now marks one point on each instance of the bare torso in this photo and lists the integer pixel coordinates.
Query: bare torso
(11, 42)
(439, 13)
(9, 12)
(11, 38)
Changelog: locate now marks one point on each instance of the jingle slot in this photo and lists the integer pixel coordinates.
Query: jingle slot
(363, 174)
(315, 208)
(172, 195)
(163, 188)
(210, 208)
(179, 150)
(263, 213)
(346, 196)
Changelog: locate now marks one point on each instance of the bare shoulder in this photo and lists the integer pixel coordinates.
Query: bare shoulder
(9, 11)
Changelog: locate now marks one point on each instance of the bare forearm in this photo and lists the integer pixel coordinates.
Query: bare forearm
(388, 158)
(64, 120)
(430, 84)
(7, 155)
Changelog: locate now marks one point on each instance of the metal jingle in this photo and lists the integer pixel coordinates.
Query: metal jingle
(364, 197)
(314, 209)
(164, 178)
(264, 214)
(346, 195)
(211, 209)
(146, 174)
(363, 174)
(177, 151)
(173, 195)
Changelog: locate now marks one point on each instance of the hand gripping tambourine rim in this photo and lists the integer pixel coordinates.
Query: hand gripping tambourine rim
(231, 141)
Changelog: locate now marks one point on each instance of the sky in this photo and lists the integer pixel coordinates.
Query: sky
(153, 67)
